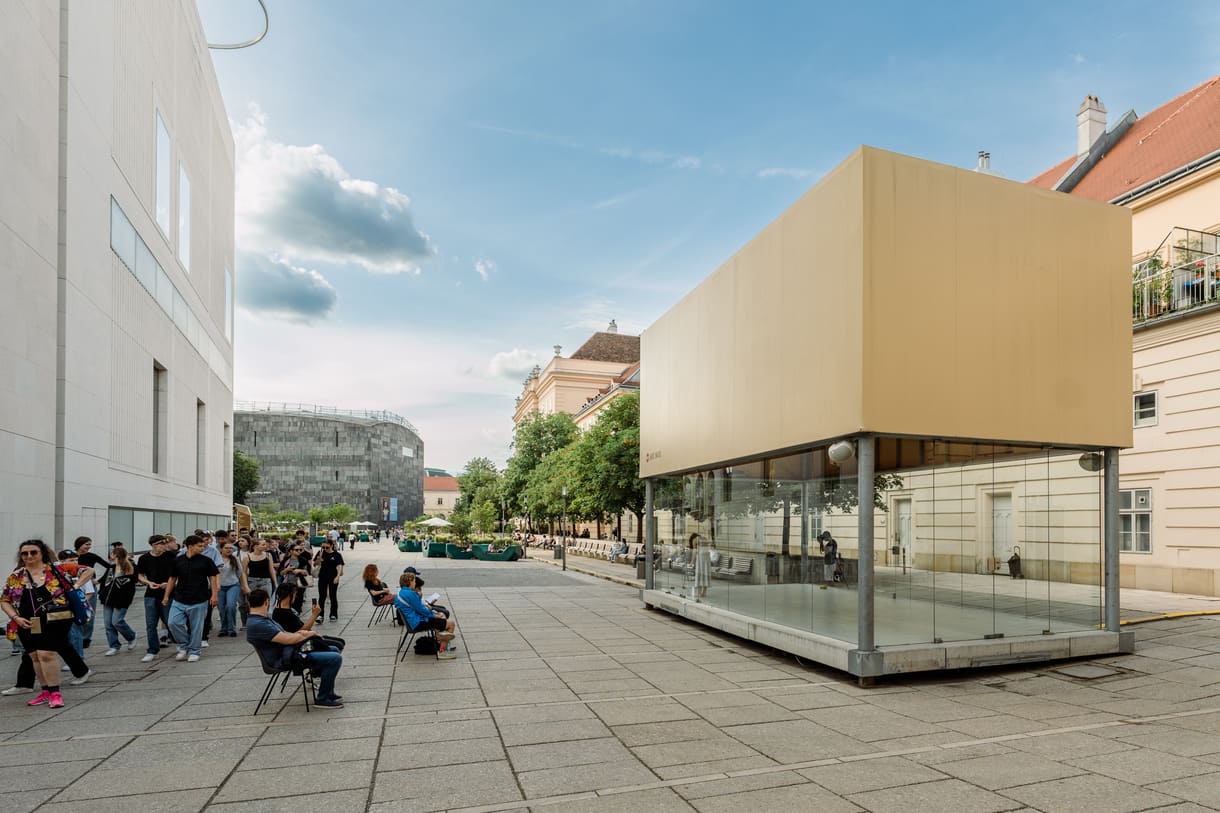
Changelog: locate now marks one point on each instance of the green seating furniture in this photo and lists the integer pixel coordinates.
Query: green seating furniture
(317, 541)
(479, 550)
(412, 546)
(404, 546)
(436, 551)
(510, 554)
(455, 552)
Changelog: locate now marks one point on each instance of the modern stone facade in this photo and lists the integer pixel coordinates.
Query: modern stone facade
(316, 457)
(116, 257)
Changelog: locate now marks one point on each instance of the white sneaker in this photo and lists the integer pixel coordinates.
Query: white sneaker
(110, 652)
(181, 656)
(12, 690)
(193, 659)
(148, 658)
(131, 645)
(204, 644)
(65, 668)
(82, 680)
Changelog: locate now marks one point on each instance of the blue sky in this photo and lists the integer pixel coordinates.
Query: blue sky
(432, 195)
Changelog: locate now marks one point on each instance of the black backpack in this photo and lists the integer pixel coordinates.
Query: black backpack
(426, 645)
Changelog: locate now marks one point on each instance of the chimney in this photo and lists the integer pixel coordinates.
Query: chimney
(1090, 124)
(558, 350)
(612, 327)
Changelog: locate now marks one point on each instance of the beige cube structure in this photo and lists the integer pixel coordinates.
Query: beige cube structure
(947, 346)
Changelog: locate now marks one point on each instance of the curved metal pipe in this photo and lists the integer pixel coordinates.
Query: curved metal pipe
(247, 43)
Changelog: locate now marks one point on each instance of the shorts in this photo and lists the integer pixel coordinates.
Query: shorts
(54, 637)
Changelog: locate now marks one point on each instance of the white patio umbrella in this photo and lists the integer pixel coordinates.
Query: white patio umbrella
(436, 522)
(362, 525)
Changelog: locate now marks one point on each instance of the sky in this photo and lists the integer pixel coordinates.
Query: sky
(430, 196)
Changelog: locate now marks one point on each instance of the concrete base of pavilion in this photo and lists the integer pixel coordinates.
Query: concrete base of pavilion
(900, 658)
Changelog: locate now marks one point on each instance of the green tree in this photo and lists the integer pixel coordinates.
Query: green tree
(536, 437)
(317, 516)
(605, 467)
(462, 525)
(543, 492)
(484, 516)
(245, 475)
(341, 514)
(479, 482)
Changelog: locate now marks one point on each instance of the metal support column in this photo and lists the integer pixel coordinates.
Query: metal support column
(864, 519)
(1110, 536)
(649, 534)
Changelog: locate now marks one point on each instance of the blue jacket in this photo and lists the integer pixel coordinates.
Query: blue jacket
(412, 607)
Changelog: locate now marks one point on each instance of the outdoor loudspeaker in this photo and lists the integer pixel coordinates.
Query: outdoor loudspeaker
(841, 451)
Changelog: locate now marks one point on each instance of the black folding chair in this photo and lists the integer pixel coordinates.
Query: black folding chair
(380, 611)
(286, 673)
(409, 633)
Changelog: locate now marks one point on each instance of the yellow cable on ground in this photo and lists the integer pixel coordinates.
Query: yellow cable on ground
(1167, 616)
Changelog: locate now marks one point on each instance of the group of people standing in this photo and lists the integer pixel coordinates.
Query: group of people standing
(182, 584)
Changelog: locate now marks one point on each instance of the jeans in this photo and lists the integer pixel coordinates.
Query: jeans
(325, 666)
(76, 637)
(116, 623)
(87, 630)
(186, 625)
(154, 612)
(228, 607)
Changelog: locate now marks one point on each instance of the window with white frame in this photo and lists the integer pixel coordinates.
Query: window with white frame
(1144, 408)
(164, 177)
(184, 218)
(1135, 520)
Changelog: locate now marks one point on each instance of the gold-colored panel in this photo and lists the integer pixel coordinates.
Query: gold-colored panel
(902, 297)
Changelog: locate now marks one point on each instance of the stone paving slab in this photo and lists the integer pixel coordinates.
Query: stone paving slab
(569, 696)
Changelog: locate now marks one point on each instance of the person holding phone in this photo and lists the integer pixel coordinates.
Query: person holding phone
(330, 571)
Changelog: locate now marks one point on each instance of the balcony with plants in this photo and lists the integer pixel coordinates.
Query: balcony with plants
(1182, 275)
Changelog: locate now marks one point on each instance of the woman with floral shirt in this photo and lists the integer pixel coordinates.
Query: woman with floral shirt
(36, 599)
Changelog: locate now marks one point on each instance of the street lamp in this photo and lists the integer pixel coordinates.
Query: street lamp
(563, 529)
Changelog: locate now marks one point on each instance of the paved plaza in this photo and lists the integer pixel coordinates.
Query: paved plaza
(569, 695)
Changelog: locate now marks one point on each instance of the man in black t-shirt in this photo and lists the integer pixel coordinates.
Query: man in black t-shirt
(193, 588)
(153, 570)
(86, 557)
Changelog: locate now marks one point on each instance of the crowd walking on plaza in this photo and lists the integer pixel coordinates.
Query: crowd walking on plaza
(255, 584)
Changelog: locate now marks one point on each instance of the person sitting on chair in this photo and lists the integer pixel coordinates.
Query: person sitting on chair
(271, 640)
(419, 617)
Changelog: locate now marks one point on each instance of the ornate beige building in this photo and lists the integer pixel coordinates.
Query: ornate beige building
(1165, 167)
(566, 384)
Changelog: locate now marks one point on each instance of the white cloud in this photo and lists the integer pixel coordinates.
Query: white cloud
(274, 288)
(513, 364)
(687, 162)
(786, 172)
(484, 267)
(653, 157)
(301, 202)
(1078, 59)
(617, 200)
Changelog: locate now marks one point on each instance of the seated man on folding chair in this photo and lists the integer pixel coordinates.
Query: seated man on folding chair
(277, 645)
(419, 617)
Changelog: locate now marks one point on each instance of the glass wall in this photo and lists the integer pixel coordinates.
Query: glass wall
(133, 526)
(971, 540)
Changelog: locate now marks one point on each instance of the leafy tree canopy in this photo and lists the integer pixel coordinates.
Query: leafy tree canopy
(537, 437)
(245, 475)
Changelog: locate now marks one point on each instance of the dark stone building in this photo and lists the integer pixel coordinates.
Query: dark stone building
(315, 456)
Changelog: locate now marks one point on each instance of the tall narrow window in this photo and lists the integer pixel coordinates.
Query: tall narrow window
(229, 305)
(184, 218)
(226, 459)
(164, 169)
(201, 442)
(1135, 520)
(1144, 408)
(160, 405)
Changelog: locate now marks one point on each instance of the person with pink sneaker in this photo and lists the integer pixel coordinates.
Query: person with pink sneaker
(35, 598)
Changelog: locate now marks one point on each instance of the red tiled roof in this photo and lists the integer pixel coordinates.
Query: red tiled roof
(440, 484)
(1176, 133)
